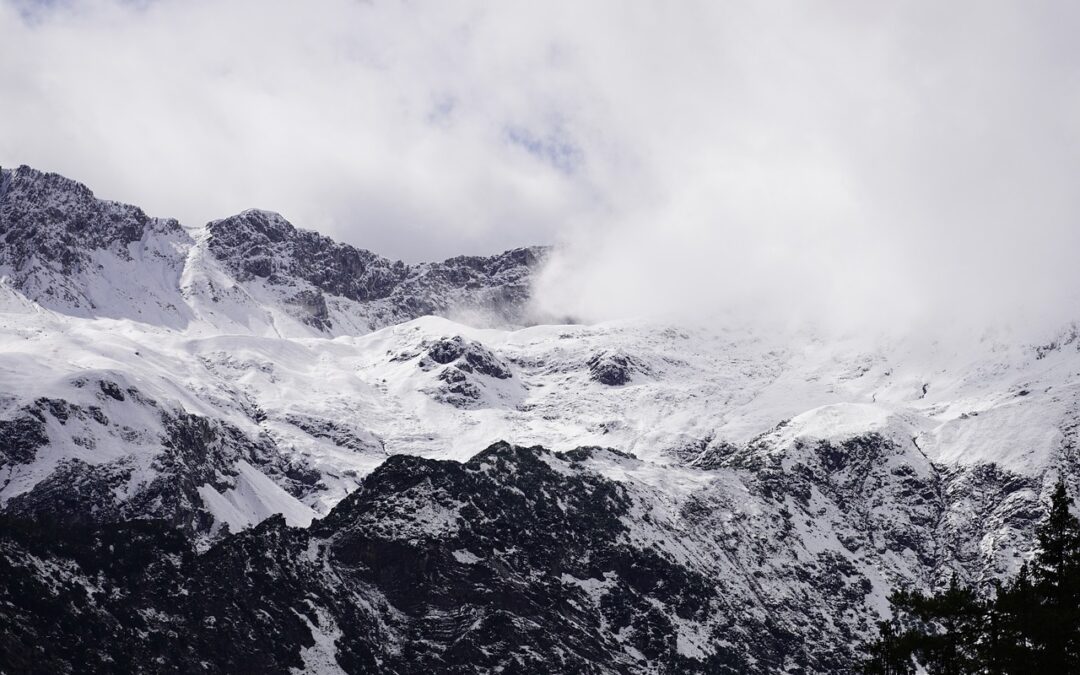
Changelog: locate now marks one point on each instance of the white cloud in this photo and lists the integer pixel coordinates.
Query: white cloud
(844, 162)
(379, 124)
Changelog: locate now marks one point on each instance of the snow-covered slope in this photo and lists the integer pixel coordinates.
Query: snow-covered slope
(321, 413)
(214, 378)
(83, 256)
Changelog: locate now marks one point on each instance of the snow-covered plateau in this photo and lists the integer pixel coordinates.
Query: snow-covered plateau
(225, 450)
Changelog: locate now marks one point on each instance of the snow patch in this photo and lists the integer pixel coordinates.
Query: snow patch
(252, 499)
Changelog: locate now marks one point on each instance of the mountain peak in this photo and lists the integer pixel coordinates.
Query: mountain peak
(48, 215)
(257, 243)
(258, 222)
(71, 252)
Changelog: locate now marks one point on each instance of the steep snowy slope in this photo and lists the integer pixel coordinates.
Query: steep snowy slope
(317, 414)
(74, 253)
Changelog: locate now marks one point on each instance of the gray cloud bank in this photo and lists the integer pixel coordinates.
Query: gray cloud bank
(853, 164)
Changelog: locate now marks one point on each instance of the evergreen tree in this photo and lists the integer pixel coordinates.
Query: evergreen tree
(1010, 624)
(1055, 631)
(948, 628)
(1031, 626)
(891, 653)
(1059, 545)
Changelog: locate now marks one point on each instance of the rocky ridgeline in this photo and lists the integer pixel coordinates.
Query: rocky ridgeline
(172, 455)
(516, 561)
(71, 252)
(310, 268)
(47, 218)
(519, 560)
(56, 239)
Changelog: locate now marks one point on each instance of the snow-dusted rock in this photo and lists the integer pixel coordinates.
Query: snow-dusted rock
(253, 272)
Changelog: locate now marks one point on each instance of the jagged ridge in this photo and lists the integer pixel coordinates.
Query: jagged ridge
(74, 253)
(518, 560)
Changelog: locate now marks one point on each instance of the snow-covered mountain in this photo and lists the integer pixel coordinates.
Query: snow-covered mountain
(251, 273)
(624, 497)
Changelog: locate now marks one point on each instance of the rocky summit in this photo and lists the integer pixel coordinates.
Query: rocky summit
(247, 447)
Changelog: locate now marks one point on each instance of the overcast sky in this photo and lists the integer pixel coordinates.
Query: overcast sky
(847, 161)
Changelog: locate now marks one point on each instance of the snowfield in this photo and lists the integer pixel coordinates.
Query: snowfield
(341, 405)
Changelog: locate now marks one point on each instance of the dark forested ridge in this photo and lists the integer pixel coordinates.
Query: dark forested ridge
(1031, 625)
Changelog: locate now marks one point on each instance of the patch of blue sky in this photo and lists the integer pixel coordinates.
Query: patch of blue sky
(553, 147)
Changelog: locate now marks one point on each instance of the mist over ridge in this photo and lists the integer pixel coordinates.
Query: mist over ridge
(858, 168)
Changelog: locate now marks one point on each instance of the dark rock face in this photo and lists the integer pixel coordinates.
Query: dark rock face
(469, 357)
(191, 451)
(21, 436)
(260, 244)
(519, 560)
(467, 364)
(312, 308)
(498, 286)
(263, 244)
(457, 389)
(341, 434)
(889, 499)
(67, 594)
(516, 561)
(58, 219)
(613, 369)
(50, 227)
(194, 451)
(446, 350)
